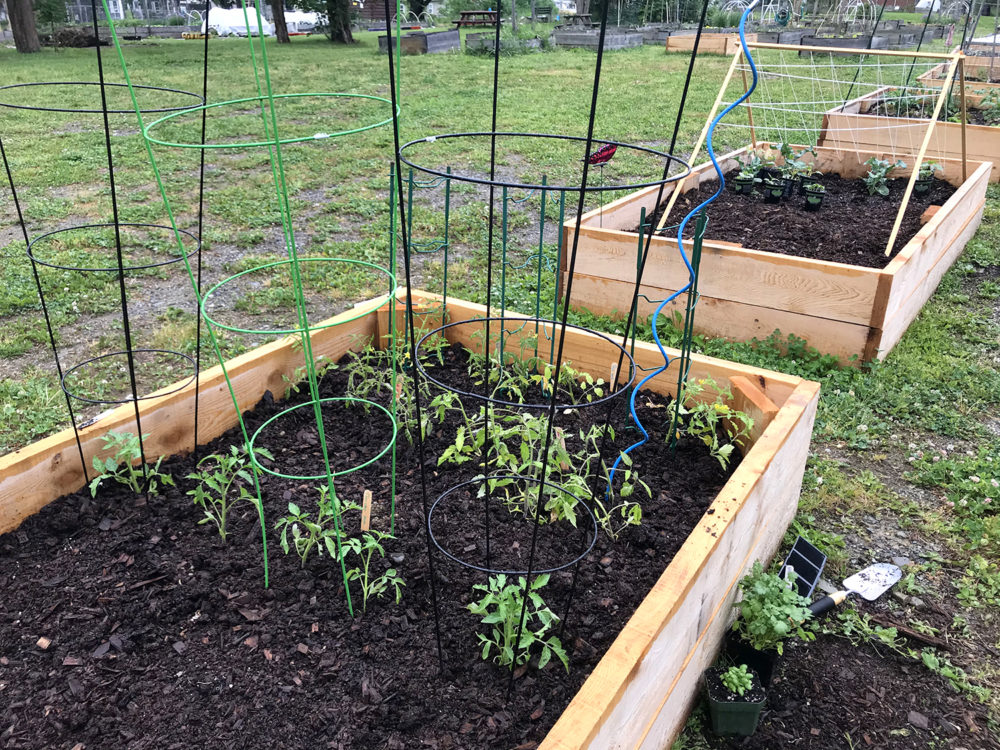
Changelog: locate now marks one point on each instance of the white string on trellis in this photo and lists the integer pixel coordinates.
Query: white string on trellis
(800, 91)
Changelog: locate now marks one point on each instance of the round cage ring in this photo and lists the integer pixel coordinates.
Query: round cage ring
(66, 380)
(130, 111)
(312, 403)
(620, 385)
(595, 142)
(36, 256)
(490, 570)
(260, 101)
(358, 312)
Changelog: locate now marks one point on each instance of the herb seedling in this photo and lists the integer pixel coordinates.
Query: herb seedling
(793, 165)
(215, 491)
(365, 548)
(500, 608)
(928, 169)
(877, 180)
(771, 610)
(124, 466)
(299, 374)
(706, 419)
(737, 680)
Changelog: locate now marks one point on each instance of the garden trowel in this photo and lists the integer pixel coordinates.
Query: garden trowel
(869, 584)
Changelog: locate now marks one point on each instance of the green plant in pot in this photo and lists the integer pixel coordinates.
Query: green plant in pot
(774, 189)
(795, 169)
(814, 193)
(744, 181)
(735, 699)
(771, 611)
(925, 177)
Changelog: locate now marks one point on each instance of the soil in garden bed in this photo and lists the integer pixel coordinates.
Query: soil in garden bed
(162, 636)
(984, 114)
(829, 690)
(851, 227)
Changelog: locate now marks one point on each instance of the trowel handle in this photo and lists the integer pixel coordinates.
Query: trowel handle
(828, 602)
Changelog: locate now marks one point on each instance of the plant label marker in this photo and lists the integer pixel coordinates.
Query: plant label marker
(366, 511)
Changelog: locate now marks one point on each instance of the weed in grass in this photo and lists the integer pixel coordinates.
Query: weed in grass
(972, 487)
(30, 408)
(979, 585)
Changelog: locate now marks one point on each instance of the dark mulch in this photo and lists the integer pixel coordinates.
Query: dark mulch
(164, 637)
(831, 694)
(924, 110)
(851, 227)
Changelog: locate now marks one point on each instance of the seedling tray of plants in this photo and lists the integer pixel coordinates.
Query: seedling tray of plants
(753, 283)
(134, 588)
(894, 121)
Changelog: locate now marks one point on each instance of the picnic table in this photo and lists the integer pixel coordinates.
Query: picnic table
(477, 18)
(582, 19)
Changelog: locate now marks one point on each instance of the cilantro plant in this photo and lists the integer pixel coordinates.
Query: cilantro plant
(500, 609)
(771, 610)
(223, 481)
(125, 467)
(737, 680)
(365, 549)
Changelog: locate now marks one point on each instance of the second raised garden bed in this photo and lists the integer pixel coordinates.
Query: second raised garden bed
(638, 694)
(844, 310)
(861, 124)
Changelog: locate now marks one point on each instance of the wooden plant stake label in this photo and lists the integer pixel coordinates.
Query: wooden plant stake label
(366, 511)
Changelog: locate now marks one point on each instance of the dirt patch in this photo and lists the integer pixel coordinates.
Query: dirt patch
(851, 227)
(832, 695)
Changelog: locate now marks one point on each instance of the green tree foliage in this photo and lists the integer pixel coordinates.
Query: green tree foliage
(50, 12)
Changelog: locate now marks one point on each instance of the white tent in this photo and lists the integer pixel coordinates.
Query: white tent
(230, 22)
(925, 4)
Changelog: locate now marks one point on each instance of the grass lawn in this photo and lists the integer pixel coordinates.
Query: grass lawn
(903, 452)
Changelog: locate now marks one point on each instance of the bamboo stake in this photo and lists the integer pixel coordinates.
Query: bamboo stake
(679, 185)
(923, 151)
(965, 116)
(746, 88)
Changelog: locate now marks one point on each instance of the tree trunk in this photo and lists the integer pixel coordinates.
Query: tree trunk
(338, 14)
(280, 27)
(22, 24)
(534, 13)
(513, 17)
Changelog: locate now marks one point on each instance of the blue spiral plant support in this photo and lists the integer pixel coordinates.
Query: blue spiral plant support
(689, 287)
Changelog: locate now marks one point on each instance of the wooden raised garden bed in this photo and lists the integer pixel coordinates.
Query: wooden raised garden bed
(854, 126)
(640, 692)
(982, 76)
(423, 43)
(843, 42)
(841, 309)
(710, 43)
